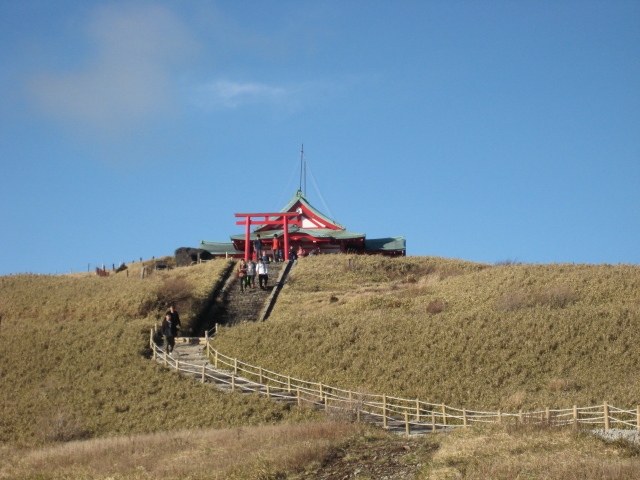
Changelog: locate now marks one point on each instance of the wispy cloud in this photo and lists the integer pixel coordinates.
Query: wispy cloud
(127, 81)
(229, 94)
(226, 94)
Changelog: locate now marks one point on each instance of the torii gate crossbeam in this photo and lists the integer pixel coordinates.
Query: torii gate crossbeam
(283, 220)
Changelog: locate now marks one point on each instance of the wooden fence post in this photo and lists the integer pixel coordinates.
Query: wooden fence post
(444, 414)
(417, 410)
(260, 374)
(151, 339)
(433, 421)
(298, 395)
(547, 415)
(203, 373)
(320, 390)
(499, 416)
(233, 383)
(208, 350)
(165, 358)
(288, 384)
(520, 416)
(177, 365)
(575, 416)
(384, 410)
(407, 427)
(215, 359)
(606, 416)
(235, 366)
(268, 391)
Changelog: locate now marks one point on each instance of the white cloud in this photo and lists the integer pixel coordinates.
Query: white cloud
(129, 79)
(228, 94)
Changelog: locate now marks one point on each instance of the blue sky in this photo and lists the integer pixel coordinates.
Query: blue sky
(484, 131)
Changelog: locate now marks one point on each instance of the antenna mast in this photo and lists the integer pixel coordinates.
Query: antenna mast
(303, 172)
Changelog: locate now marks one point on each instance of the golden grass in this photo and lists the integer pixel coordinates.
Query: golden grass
(89, 297)
(498, 452)
(73, 366)
(328, 450)
(73, 363)
(243, 452)
(469, 335)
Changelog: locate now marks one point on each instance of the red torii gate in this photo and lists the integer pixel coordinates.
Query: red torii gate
(284, 221)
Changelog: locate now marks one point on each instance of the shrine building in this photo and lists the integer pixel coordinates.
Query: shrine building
(310, 229)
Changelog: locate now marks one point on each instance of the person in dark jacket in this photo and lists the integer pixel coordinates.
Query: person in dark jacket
(258, 247)
(175, 319)
(167, 331)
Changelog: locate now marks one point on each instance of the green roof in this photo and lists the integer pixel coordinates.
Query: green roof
(385, 244)
(219, 248)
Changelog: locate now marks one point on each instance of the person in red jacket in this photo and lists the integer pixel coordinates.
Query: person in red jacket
(277, 253)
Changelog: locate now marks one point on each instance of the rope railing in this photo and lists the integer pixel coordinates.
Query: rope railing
(413, 414)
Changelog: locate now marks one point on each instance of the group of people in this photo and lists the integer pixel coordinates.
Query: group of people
(261, 252)
(247, 272)
(277, 252)
(170, 326)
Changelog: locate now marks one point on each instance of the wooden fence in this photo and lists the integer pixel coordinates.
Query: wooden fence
(410, 415)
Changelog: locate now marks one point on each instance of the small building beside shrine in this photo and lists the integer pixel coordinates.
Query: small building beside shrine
(310, 230)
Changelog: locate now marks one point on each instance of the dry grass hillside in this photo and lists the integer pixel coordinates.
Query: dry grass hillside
(466, 334)
(73, 365)
(80, 399)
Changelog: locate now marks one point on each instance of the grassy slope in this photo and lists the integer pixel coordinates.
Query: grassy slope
(72, 363)
(72, 360)
(510, 337)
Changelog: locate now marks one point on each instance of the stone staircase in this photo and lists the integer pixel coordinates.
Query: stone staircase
(247, 306)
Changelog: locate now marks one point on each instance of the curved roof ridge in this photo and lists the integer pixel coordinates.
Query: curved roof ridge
(299, 197)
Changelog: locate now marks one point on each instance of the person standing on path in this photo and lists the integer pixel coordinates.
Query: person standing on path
(251, 274)
(277, 254)
(242, 272)
(263, 274)
(175, 319)
(167, 331)
(258, 247)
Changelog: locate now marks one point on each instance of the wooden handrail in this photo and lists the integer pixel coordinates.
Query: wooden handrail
(389, 409)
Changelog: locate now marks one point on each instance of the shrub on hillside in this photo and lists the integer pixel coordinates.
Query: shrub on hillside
(436, 306)
(61, 426)
(507, 263)
(174, 290)
(557, 296)
(562, 385)
(511, 300)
